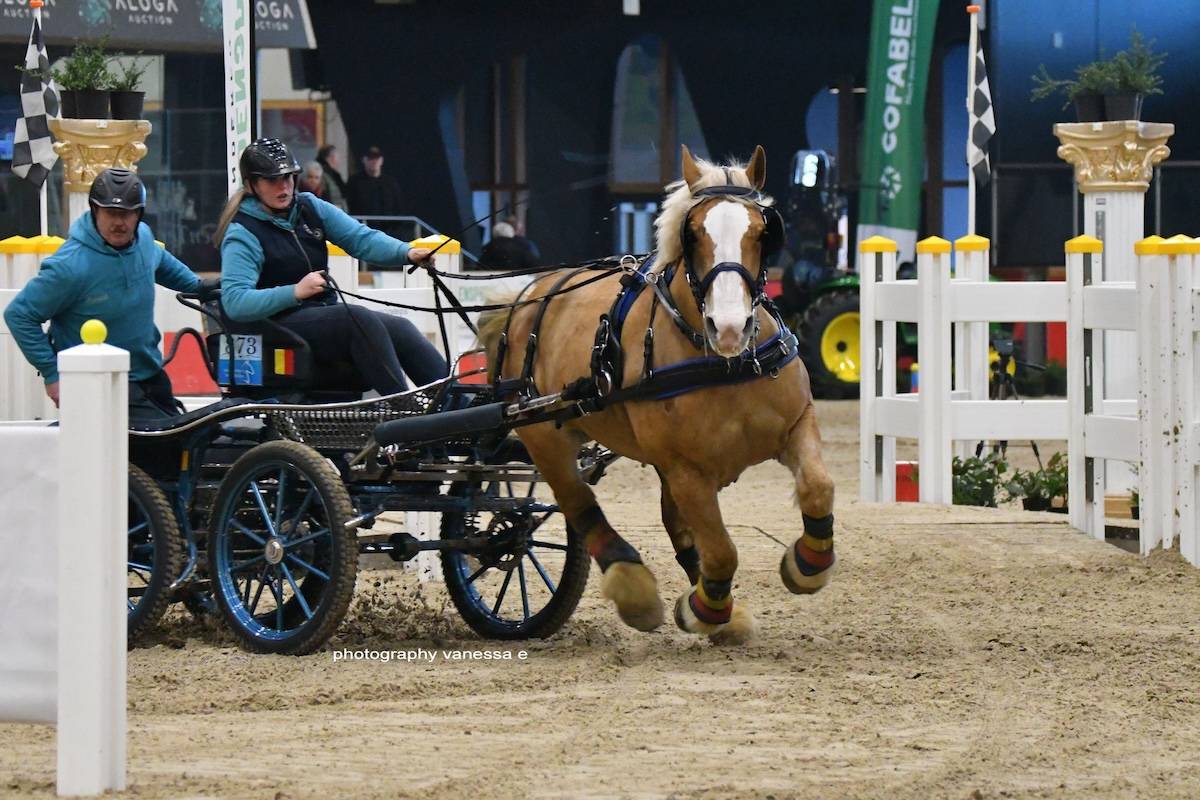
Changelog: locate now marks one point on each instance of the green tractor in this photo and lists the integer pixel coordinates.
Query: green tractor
(819, 291)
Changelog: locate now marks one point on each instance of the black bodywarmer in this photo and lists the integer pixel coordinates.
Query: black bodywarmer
(290, 255)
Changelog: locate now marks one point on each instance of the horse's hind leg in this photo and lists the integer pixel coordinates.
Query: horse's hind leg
(707, 607)
(684, 543)
(627, 581)
(808, 564)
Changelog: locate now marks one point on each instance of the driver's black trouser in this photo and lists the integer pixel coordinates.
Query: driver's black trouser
(152, 398)
(384, 348)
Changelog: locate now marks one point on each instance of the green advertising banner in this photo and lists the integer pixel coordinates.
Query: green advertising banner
(894, 131)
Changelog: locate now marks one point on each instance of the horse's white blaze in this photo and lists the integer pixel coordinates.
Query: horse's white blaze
(728, 301)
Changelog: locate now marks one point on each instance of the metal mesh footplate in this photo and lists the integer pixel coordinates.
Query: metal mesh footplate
(351, 425)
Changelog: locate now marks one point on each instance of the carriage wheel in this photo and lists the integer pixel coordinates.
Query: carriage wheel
(155, 553)
(528, 579)
(281, 561)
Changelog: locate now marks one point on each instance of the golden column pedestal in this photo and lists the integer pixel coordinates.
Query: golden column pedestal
(89, 146)
(1113, 156)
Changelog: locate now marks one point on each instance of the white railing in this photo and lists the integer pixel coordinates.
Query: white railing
(1159, 432)
(63, 596)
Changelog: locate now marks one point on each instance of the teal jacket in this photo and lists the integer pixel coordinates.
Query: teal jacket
(88, 279)
(242, 256)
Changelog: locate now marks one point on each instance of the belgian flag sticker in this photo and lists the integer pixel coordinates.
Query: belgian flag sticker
(285, 362)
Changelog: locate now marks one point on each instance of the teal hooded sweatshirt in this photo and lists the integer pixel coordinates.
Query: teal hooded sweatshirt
(89, 279)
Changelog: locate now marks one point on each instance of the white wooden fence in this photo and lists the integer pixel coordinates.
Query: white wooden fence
(1158, 431)
(63, 571)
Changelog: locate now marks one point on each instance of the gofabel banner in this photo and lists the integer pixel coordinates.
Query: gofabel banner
(155, 24)
(894, 134)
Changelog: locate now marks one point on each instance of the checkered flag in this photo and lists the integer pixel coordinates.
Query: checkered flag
(33, 152)
(983, 123)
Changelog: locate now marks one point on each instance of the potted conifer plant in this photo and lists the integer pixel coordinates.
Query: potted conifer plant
(1135, 76)
(125, 83)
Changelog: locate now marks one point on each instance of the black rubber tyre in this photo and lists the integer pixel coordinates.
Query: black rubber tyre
(298, 548)
(155, 553)
(814, 321)
(537, 537)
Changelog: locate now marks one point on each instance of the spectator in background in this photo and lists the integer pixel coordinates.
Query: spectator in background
(370, 192)
(312, 180)
(506, 250)
(335, 184)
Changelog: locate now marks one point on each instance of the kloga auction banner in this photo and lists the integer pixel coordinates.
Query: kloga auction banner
(894, 133)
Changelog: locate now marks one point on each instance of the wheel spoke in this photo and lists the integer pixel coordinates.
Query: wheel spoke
(280, 484)
(308, 538)
(277, 593)
(477, 573)
(287, 573)
(540, 522)
(262, 584)
(130, 603)
(295, 522)
(547, 545)
(500, 598)
(524, 588)
(242, 566)
(542, 571)
(141, 526)
(254, 537)
(136, 567)
(302, 563)
(262, 507)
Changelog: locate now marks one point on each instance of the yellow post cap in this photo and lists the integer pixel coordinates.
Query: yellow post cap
(16, 244)
(436, 241)
(45, 245)
(877, 244)
(93, 332)
(1150, 246)
(933, 244)
(334, 250)
(971, 243)
(1179, 244)
(1084, 244)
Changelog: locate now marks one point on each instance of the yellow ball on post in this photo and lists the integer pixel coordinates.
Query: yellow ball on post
(93, 332)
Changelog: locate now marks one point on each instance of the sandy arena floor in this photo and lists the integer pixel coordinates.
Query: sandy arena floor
(960, 653)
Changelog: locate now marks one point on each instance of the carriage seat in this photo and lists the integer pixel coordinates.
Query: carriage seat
(263, 360)
(159, 425)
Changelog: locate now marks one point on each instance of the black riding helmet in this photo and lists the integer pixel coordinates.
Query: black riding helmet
(267, 158)
(118, 188)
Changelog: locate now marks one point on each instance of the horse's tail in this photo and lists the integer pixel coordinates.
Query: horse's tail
(491, 326)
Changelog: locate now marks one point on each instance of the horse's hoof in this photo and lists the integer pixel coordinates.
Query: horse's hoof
(795, 579)
(687, 620)
(635, 591)
(742, 628)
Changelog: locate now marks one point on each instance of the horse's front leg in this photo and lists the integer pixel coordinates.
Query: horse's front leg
(808, 564)
(627, 582)
(708, 607)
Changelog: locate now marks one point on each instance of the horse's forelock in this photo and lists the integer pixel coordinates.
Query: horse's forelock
(679, 200)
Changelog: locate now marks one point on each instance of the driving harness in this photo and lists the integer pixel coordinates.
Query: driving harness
(604, 387)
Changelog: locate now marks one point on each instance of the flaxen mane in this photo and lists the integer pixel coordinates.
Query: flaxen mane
(679, 200)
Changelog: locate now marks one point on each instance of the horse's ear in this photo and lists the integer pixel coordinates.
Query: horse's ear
(756, 170)
(691, 173)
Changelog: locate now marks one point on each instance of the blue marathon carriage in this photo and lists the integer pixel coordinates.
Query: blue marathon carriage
(258, 506)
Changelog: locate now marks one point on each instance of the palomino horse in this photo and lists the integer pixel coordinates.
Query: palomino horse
(699, 441)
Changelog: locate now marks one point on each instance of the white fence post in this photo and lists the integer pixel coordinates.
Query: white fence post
(1186, 372)
(971, 367)
(933, 354)
(93, 498)
(878, 373)
(1082, 254)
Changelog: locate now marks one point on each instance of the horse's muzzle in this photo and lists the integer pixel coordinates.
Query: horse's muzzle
(728, 340)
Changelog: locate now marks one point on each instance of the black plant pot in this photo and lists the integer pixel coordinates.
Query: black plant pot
(127, 105)
(1035, 503)
(91, 104)
(70, 102)
(1122, 106)
(1089, 108)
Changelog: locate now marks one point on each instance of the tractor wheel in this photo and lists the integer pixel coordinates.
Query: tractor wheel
(829, 344)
